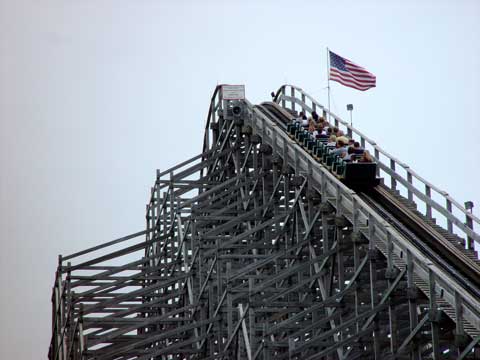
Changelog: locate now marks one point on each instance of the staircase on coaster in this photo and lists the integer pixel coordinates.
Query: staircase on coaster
(253, 250)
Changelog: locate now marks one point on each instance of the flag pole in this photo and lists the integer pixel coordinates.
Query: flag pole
(328, 84)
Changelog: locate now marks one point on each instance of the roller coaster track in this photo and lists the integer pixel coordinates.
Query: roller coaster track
(254, 250)
(405, 220)
(434, 245)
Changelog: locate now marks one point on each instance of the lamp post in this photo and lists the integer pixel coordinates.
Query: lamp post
(469, 223)
(350, 108)
(469, 206)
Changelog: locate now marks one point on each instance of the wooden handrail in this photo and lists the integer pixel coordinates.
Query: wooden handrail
(407, 180)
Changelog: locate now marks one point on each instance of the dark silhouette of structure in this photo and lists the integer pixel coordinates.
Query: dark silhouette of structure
(253, 250)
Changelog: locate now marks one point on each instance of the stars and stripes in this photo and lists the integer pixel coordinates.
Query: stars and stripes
(349, 74)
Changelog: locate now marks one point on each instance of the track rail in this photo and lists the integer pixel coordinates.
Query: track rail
(276, 113)
(425, 238)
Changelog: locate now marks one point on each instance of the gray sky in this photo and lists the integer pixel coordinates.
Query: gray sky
(96, 95)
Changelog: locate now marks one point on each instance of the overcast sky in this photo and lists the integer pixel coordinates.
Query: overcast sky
(96, 95)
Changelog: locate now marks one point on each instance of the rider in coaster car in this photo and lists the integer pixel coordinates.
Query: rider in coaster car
(366, 157)
(341, 149)
(332, 140)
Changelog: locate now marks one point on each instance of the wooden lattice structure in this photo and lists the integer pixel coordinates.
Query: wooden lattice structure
(252, 250)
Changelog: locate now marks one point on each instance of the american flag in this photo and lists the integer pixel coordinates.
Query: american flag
(347, 73)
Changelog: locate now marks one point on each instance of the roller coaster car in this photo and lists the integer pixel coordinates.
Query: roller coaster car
(356, 175)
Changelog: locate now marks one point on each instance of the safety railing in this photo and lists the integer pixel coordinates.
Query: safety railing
(435, 203)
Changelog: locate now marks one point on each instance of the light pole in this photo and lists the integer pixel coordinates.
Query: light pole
(469, 223)
(350, 108)
(469, 206)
